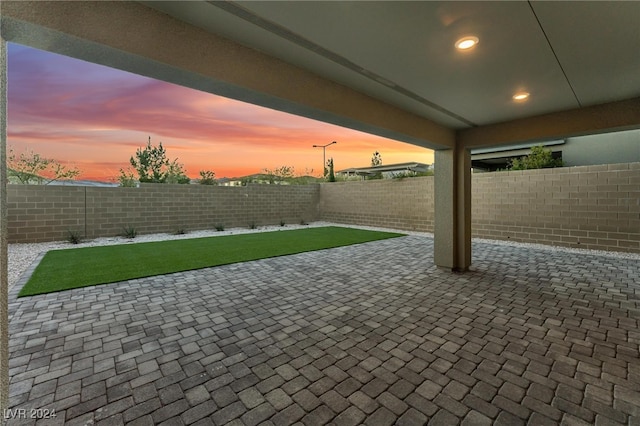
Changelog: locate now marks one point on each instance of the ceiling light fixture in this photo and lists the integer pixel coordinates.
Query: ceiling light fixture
(521, 96)
(466, 43)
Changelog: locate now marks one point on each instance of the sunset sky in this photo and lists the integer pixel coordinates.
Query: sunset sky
(94, 118)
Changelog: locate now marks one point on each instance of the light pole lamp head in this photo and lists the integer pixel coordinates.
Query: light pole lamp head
(324, 146)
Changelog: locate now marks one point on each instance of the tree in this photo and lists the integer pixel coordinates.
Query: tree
(176, 173)
(152, 165)
(32, 168)
(126, 179)
(280, 174)
(207, 177)
(332, 176)
(376, 160)
(539, 158)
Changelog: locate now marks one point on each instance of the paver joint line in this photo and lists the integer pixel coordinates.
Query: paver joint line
(372, 334)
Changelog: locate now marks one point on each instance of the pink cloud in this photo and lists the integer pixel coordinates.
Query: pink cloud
(97, 117)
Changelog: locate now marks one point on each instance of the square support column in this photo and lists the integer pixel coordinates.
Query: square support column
(452, 242)
(4, 282)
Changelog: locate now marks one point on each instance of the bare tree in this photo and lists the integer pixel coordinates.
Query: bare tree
(31, 168)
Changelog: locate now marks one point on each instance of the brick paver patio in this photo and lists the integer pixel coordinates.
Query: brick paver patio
(371, 334)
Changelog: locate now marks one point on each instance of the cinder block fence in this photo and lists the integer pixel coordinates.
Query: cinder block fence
(48, 213)
(595, 207)
(392, 203)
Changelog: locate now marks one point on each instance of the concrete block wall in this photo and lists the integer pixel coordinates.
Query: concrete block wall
(405, 204)
(48, 213)
(594, 207)
(44, 213)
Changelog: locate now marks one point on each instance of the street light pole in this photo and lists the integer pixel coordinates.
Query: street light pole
(324, 157)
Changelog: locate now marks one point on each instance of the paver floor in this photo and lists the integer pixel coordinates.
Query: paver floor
(371, 334)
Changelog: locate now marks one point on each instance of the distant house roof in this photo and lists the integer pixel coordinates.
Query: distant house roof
(399, 167)
(496, 158)
(81, 183)
(509, 150)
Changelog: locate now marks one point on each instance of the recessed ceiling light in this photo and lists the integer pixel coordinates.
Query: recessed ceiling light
(466, 43)
(521, 96)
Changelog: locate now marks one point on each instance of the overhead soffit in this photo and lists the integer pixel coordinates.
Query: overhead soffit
(598, 45)
(212, 17)
(567, 55)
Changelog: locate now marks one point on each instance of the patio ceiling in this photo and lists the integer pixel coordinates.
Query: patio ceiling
(388, 68)
(567, 55)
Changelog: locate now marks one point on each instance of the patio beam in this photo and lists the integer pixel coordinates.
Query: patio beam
(603, 118)
(452, 221)
(4, 282)
(136, 38)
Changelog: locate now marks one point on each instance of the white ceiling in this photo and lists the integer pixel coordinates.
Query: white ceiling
(566, 54)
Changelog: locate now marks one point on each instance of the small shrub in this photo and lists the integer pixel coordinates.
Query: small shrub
(180, 231)
(302, 222)
(126, 179)
(74, 237)
(253, 225)
(219, 227)
(207, 177)
(282, 222)
(400, 176)
(539, 158)
(130, 232)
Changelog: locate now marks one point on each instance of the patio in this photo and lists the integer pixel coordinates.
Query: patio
(371, 334)
(529, 334)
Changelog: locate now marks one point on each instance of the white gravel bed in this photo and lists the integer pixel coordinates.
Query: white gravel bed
(615, 254)
(21, 256)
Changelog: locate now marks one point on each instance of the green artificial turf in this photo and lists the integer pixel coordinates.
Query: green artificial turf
(82, 267)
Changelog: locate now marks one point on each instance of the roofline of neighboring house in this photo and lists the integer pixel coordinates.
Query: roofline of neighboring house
(399, 167)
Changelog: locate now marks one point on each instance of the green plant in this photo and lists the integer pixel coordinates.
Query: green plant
(31, 168)
(411, 174)
(176, 173)
(282, 222)
(180, 231)
(219, 227)
(279, 174)
(126, 179)
(152, 165)
(539, 158)
(302, 222)
(332, 176)
(207, 177)
(73, 237)
(130, 232)
(252, 225)
(400, 176)
(376, 160)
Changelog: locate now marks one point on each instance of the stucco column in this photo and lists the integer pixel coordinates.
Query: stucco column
(453, 209)
(4, 283)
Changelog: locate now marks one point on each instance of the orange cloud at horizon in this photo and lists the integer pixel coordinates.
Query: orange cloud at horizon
(95, 118)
